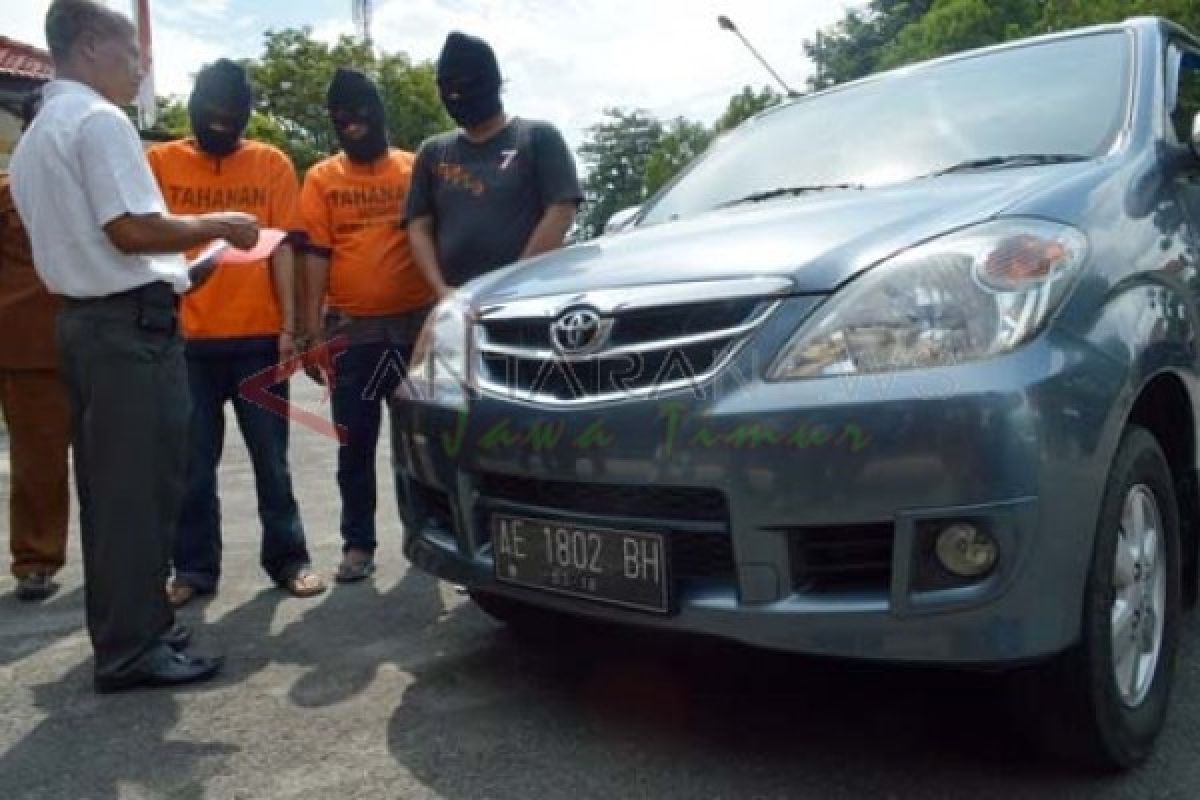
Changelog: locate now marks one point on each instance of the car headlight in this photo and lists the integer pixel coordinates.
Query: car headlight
(437, 373)
(968, 295)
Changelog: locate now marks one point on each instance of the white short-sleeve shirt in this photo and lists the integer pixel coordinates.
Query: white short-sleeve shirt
(79, 167)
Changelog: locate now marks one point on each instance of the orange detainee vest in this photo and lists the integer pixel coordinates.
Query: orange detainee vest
(238, 301)
(355, 212)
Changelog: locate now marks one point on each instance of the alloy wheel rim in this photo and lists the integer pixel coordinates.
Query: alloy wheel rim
(1139, 596)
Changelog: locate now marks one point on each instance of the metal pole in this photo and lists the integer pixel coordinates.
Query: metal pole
(726, 24)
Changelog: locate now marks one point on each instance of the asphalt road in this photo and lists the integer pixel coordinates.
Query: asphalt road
(397, 688)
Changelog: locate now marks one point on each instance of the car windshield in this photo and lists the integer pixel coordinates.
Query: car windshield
(1063, 99)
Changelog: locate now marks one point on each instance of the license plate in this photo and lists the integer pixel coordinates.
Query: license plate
(625, 568)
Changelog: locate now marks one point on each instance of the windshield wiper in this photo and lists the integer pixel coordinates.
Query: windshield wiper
(999, 162)
(758, 197)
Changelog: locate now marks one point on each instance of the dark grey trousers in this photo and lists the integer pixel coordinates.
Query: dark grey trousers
(126, 382)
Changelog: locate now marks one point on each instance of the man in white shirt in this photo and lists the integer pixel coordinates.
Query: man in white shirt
(102, 239)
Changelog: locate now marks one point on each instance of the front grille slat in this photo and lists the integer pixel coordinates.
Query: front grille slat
(643, 325)
(652, 348)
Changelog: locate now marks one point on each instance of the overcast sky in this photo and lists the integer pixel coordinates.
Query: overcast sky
(564, 60)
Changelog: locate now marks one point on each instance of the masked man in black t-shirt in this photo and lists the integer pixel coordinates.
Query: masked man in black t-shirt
(499, 190)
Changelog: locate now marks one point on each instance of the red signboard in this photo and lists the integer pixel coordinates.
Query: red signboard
(24, 61)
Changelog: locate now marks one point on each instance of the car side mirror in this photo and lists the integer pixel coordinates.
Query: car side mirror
(620, 220)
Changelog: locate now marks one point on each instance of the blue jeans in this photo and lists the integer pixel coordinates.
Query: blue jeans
(215, 380)
(365, 376)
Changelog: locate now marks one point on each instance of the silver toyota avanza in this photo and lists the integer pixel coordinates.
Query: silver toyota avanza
(905, 370)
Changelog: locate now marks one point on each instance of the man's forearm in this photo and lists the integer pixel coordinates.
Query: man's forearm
(162, 233)
(551, 230)
(316, 281)
(424, 253)
(283, 281)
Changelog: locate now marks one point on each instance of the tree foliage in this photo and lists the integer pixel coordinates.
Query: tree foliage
(889, 33)
(290, 80)
(630, 155)
(954, 25)
(294, 71)
(616, 153)
(744, 105)
(852, 47)
(681, 141)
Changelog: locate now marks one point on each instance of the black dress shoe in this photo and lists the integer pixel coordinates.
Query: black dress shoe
(35, 587)
(162, 666)
(178, 638)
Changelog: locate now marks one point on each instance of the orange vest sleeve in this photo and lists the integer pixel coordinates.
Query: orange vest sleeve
(315, 214)
(284, 212)
(153, 159)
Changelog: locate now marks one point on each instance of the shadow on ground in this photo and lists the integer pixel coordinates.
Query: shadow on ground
(91, 746)
(33, 627)
(476, 712)
(592, 715)
(343, 641)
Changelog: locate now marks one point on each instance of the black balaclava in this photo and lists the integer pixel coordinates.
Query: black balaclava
(468, 79)
(222, 96)
(353, 99)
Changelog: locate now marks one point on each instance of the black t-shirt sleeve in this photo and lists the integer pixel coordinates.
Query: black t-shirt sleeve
(556, 176)
(420, 189)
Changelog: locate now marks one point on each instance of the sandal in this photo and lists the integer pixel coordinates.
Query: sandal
(355, 566)
(305, 583)
(180, 594)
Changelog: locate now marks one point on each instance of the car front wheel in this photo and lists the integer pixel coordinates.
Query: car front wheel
(1105, 701)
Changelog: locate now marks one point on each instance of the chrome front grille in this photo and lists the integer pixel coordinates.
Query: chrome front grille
(609, 346)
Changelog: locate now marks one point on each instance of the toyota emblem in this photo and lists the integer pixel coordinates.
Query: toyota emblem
(580, 331)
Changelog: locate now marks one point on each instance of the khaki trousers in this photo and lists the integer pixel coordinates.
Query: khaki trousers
(35, 410)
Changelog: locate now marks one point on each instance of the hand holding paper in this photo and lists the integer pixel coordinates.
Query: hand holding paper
(221, 252)
(269, 240)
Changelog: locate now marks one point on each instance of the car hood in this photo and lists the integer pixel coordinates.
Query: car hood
(819, 240)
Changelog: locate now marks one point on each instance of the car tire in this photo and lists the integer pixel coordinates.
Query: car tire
(1104, 702)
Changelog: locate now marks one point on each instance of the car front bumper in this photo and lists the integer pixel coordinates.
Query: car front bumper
(807, 508)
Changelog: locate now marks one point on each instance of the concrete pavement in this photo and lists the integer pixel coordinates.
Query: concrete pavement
(397, 688)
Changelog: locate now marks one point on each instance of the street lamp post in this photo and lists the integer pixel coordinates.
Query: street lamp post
(726, 24)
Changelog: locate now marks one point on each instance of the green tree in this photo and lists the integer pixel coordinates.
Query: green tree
(173, 117)
(1063, 14)
(678, 146)
(889, 33)
(851, 48)
(951, 26)
(615, 153)
(294, 71)
(290, 79)
(682, 140)
(744, 105)
(410, 96)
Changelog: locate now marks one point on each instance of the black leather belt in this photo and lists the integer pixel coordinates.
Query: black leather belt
(152, 307)
(159, 294)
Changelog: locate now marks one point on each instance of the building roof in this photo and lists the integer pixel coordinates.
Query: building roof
(20, 60)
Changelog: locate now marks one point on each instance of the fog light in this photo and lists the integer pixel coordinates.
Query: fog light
(966, 551)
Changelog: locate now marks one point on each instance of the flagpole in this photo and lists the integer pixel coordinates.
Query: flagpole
(147, 103)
